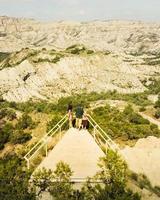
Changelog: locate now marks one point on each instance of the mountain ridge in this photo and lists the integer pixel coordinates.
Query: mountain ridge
(51, 60)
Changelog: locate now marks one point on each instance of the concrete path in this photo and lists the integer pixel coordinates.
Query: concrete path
(79, 150)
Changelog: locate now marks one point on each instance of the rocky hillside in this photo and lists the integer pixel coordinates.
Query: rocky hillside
(49, 60)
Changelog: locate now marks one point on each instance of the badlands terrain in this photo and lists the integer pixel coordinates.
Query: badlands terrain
(49, 60)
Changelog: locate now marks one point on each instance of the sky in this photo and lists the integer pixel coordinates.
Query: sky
(82, 10)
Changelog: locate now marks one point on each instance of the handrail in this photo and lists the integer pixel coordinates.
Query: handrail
(44, 140)
(103, 134)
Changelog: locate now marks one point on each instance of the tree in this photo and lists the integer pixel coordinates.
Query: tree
(14, 180)
(42, 179)
(112, 177)
(57, 183)
(61, 188)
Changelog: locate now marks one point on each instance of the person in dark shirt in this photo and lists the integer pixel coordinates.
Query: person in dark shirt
(79, 114)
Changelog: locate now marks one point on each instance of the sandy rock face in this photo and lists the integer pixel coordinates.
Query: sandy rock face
(71, 74)
(144, 158)
(118, 56)
(36, 75)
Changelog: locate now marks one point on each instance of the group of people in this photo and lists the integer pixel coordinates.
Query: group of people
(79, 119)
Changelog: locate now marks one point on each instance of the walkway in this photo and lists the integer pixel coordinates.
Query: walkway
(79, 150)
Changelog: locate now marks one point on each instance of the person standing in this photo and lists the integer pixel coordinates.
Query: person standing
(85, 122)
(70, 114)
(79, 114)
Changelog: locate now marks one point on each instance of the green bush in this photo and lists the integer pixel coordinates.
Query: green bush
(3, 56)
(126, 124)
(157, 113)
(53, 122)
(137, 119)
(25, 122)
(142, 109)
(154, 87)
(5, 133)
(14, 181)
(112, 176)
(10, 114)
(20, 137)
(3, 113)
(157, 104)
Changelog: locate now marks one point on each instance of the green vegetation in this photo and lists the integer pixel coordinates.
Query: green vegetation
(11, 61)
(78, 49)
(6, 131)
(127, 125)
(3, 56)
(20, 137)
(58, 183)
(25, 122)
(143, 182)
(7, 113)
(11, 132)
(14, 180)
(157, 113)
(152, 60)
(154, 87)
(109, 183)
(157, 106)
(54, 60)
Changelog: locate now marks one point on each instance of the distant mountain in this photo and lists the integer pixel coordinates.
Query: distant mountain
(49, 60)
(116, 36)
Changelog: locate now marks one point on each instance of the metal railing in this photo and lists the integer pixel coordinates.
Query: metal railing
(43, 142)
(99, 133)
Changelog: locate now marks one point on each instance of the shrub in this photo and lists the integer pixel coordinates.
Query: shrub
(142, 109)
(11, 115)
(157, 104)
(5, 133)
(3, 113)
(157, 113)
(3, 56)
(154, 87)
(53, 122)
(25, 122)
(20, 137)
(137, 119)
(126, 124)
